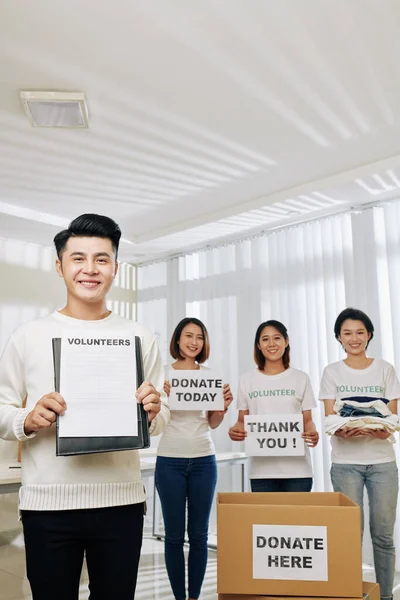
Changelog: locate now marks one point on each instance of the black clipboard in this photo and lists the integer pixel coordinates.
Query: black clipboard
(70, 446)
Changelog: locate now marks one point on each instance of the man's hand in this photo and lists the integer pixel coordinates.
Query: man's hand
(150, 398)
(45, 413)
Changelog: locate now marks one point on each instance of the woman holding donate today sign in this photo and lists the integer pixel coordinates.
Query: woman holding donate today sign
(186, 470)
(275, 388)
(360, 396)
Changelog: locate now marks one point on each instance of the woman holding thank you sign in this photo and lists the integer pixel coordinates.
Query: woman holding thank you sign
(186, 469)
(275, 388)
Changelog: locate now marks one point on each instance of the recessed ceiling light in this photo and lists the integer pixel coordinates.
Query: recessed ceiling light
(55, 109)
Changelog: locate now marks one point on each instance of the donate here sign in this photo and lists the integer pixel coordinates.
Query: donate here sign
(274, 435)
(294, 552)
(195, 390)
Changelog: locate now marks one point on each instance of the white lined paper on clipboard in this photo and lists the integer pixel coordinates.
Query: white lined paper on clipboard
(98, 383)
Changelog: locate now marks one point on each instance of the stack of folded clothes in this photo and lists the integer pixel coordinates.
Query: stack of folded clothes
(359, 412)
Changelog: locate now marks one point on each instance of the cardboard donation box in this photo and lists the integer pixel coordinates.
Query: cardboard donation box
(370, 592)
(289, 544)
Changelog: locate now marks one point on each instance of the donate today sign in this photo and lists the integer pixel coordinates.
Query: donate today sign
(195, 390)
(274, 435)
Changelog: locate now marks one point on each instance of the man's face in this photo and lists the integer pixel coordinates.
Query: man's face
(88, 267)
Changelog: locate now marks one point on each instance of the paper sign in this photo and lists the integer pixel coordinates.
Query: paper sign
(195, 390)
(290, 552)
(274, 435)
(98, 383)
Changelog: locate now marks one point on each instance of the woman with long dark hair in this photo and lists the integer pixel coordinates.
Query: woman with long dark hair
(276, 388)
(186, 469)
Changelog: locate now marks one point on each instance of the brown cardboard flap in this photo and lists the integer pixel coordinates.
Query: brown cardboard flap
(346, 501)
(370, 592)
(285, 499)
(300, 515)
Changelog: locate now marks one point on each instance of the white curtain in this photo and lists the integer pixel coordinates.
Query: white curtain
(303, 276)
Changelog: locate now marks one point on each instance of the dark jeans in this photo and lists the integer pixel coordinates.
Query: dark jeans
(179, 480)
(56, 541)
(295, 484)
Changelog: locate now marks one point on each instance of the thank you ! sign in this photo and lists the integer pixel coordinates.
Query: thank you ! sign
(290, 552)
(274, 435)
(195, 390)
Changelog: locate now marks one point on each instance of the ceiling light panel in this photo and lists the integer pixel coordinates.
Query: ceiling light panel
(55, 109)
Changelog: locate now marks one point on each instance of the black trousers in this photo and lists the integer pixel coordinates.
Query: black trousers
(56, 542)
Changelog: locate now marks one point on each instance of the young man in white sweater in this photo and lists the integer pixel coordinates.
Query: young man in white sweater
(90, 504)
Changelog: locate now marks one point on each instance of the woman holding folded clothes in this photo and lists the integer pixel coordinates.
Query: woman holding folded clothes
(276, 388)
(186, 470)
(360, 396)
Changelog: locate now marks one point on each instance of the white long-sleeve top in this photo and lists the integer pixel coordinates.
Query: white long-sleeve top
(71, 482)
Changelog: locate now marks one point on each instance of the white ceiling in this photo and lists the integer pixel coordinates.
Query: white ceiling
(208, 118)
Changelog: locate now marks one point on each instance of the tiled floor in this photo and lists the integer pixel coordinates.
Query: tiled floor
(152, 584)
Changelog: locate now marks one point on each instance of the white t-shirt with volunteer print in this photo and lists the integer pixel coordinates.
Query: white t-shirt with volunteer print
(289, 392)
(379, 380)
(187, 434)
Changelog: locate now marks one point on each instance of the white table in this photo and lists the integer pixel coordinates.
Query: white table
(224, 459)
(10, 474)
(10, 478)
(148, 462)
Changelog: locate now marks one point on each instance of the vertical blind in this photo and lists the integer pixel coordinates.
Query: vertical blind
(303, 276)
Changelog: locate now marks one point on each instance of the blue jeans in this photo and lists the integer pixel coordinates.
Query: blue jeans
(179, 480)
(295, 484)
(352, 411)
(381, 481)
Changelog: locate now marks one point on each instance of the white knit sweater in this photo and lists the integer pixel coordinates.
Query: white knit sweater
(60, 483)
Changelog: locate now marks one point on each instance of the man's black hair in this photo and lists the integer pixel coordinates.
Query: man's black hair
(89, 225)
